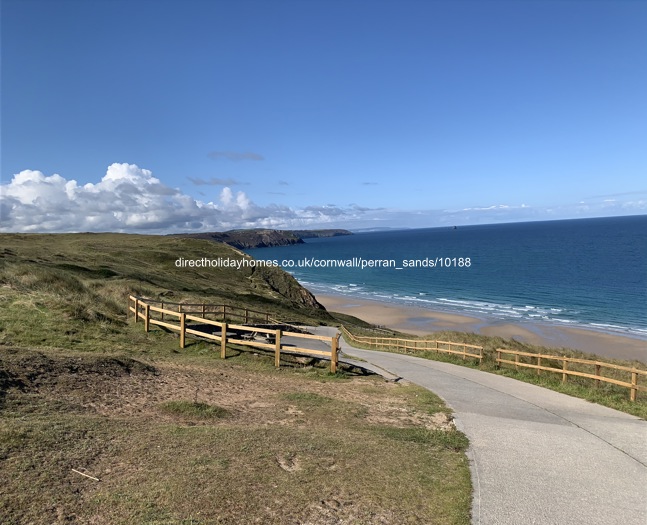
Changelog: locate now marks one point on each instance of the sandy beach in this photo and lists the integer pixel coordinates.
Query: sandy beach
(422, 321)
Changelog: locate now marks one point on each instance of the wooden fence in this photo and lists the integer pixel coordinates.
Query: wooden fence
(245, 335)
(536, 363)
(224, 332)
(477, 352)
(417, 345)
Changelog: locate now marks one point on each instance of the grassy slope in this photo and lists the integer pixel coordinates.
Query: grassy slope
(184, 437)
(84, 278)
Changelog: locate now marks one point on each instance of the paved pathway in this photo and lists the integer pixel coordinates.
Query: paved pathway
(537, 456)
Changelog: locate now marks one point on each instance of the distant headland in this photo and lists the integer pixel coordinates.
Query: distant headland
(263, 238)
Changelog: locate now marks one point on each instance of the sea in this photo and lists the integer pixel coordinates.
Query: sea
(589, 273)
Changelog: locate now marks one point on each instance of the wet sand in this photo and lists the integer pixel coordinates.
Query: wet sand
(422, 321)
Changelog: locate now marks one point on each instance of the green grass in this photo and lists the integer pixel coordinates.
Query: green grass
(452, 440)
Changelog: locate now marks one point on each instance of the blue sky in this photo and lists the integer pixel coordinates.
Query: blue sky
(168, 115)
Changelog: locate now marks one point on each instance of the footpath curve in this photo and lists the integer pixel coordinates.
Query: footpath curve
(536, 456)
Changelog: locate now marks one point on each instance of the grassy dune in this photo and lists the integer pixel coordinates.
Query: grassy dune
(71, 290)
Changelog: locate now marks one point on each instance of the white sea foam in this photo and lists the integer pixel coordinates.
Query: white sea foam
(486, 309)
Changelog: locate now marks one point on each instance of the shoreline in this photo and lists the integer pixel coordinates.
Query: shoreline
(422, 321)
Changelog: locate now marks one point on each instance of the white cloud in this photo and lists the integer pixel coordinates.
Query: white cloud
(129, 198)
(488, 208)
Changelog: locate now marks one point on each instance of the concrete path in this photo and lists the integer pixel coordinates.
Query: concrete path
(537, 456)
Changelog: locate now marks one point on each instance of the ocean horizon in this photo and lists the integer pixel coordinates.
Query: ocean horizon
(584, 273)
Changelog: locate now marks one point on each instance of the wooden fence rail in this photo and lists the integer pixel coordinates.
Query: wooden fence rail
(224, 332)
(223, 311)
(632, 385)
(418, 345)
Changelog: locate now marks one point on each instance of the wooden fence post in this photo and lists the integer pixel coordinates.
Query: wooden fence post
(146, 317)
(634, 383)
(334, 345)
(498, 359)
(162, 309)
(182, 330)
(516, 361)
(277, 349)
(136, 309)
(246, 316)
(224, 313)
(597, 373)
(564, 368)
(223, 340)
(538, 364)
(203, 310)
